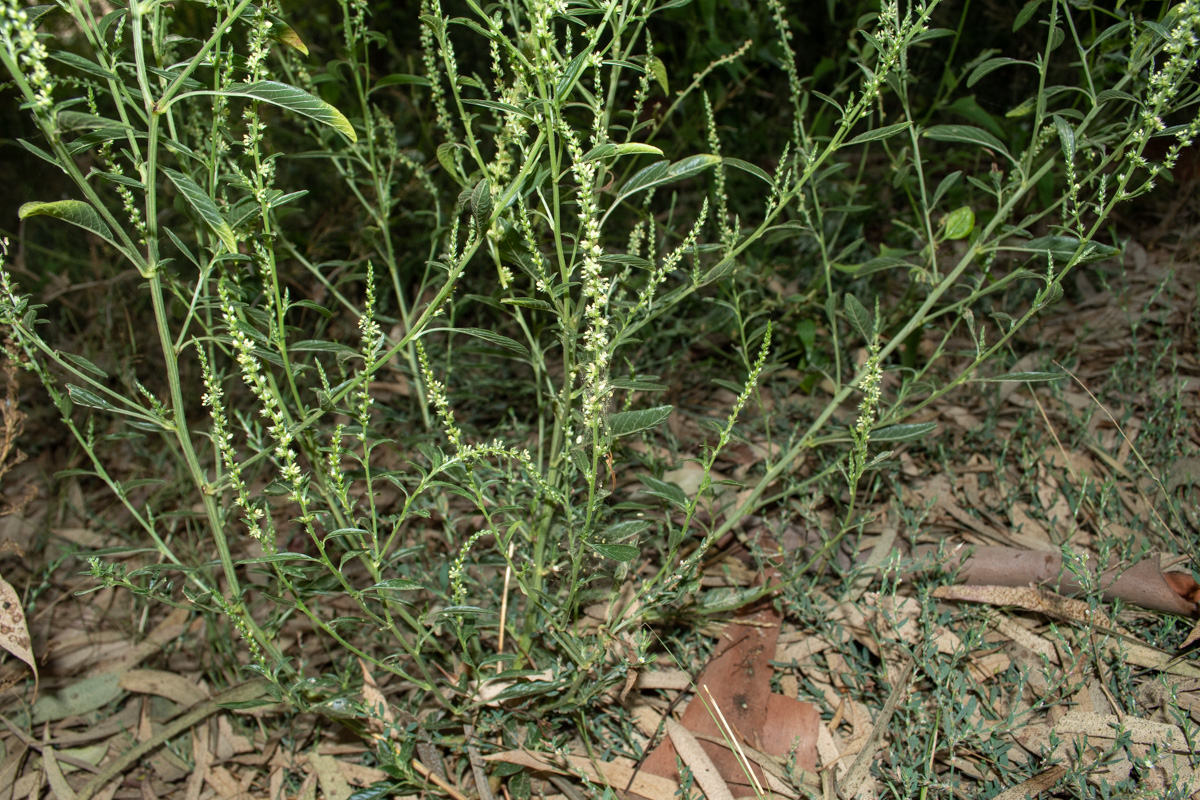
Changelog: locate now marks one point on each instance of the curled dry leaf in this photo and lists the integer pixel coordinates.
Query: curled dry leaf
(1143, 583)
(14, 633)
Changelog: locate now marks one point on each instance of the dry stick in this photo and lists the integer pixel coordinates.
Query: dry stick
(862, 762)
(431, 776)
(243, 692)
(34, 744)
(504, 603)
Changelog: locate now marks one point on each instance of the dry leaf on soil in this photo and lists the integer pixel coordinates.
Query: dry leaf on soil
(615, 773)
(14, 633)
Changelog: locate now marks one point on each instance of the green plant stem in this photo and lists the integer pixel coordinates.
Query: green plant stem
(915, 321)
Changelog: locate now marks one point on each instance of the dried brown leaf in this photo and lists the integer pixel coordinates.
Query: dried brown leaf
(14, 633)
(174, 687)
(702, 767)
(616, 773)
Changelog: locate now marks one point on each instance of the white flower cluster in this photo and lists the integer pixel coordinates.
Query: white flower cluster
(372, 343)
(540, 14)
(252, 375)
(596, 286)
(222, 439)
(437, 395)
(21, 44)
(1165, 83)
(429, 58)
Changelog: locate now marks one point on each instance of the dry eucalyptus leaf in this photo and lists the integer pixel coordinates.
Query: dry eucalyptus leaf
(374, 700)
(329, 774)
(1034, 785)
(616, 773)
(14, 633)
(702, 767)
(87, 695)
(163, 684)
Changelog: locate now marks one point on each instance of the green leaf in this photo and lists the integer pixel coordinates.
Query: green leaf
(692, 165)
(398, 584)
(625, 529)
(638, 384)
(624, 423)
(76, 212)
(83, 65)
(400, 79)
(945, 186)
(989, 66)
(1030, 377)
(321, 346)
(614, 150)
(859, 317)
(1025, 14)
(85, 365)
(579, 458)
(969, 109)
(662, 172)
(880, 133)
(902, 433)
(873, 265)
(528, 302)
(1062, 248)
(285, 34)
(481, 206)
(275, 558)
(488, 336)
(501, 108)
(753, 169)
(40, 153)
(79, 121)
(436, 25)
(445, 157)
(626, 260)
(959, 223)
(571, 73)
(1107, 95)
(658, 71)
(1066, 135)
(617, 552)
(716, 601)
(295, 100)
(82, 397)
(966, 134)
(34, 14)
(203, 205)
(667, 491)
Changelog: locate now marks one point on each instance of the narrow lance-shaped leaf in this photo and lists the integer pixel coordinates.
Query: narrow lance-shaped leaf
(617, 552)
(860, 318)
(966, 134)
(481, 206)
(903, 433)
(880, 133)
(624, 423)
(491, 337)
(663, 172)
(752, 169)
(75, 212)
(295, 100)
(205, 206)
(1030, 377)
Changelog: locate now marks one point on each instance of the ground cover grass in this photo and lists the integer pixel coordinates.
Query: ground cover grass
(553, 398)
